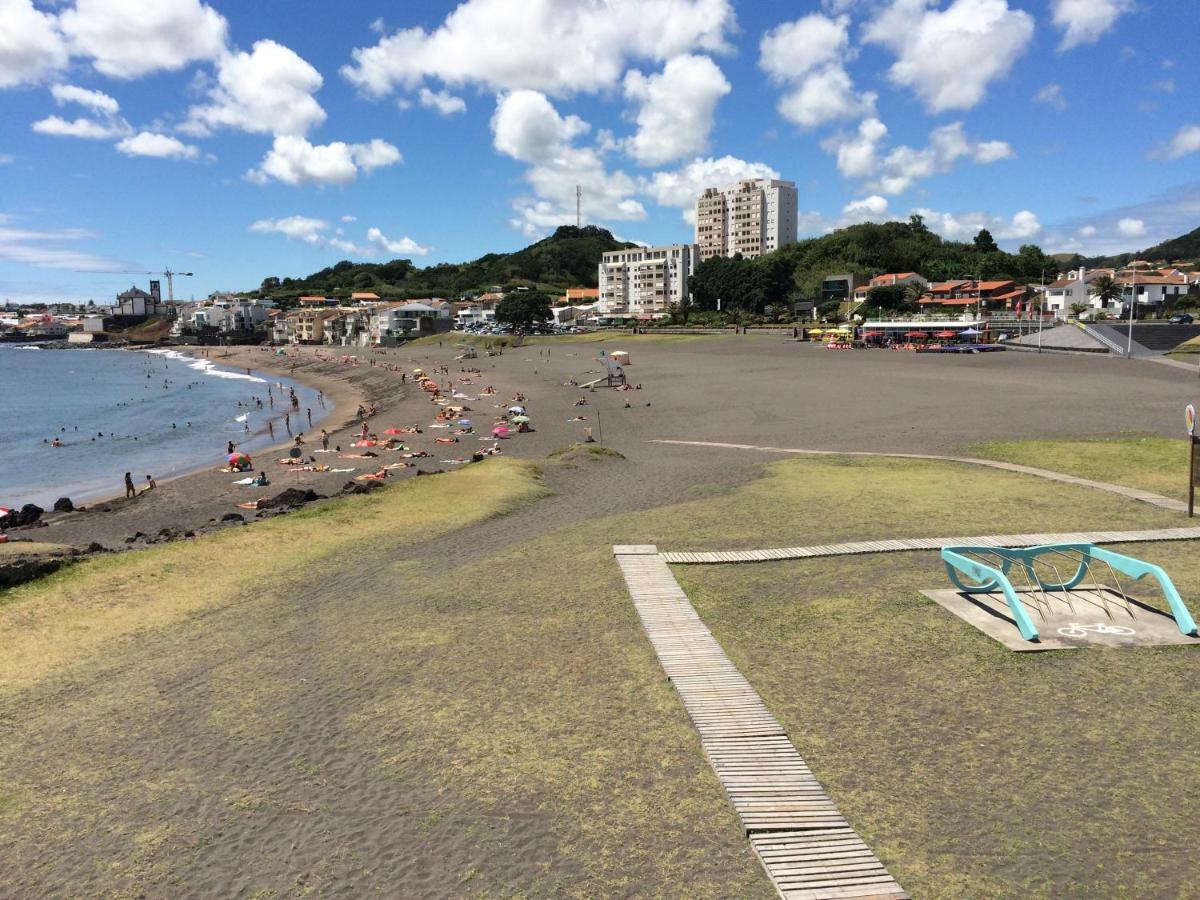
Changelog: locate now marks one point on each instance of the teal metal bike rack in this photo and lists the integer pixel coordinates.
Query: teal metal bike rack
(970, 570)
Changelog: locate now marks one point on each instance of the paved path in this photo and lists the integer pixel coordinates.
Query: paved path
(806, 846)
(1133, 493)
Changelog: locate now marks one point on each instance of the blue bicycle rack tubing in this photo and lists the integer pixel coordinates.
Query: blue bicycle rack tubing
(988, 579)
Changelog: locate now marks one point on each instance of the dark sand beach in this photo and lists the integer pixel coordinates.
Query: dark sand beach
(471, 708)
(757, 390)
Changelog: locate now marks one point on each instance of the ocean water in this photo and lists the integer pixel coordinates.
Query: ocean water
(154, 412)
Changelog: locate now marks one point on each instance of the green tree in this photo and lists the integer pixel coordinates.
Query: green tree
(524, 308)
(1108, 291)
(269, 284)
(984, 242)
(889, 297)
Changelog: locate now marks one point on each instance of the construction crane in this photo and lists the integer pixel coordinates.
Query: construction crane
(166, 273)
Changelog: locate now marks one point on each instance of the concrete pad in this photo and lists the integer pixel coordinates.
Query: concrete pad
(1099, 619)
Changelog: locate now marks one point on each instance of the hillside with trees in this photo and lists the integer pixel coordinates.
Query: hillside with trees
(1185, 248)
(568, 258)
(795, 272)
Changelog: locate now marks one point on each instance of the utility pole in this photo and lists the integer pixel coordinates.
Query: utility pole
(578, 198)
(1041, 309)
(1132, 307)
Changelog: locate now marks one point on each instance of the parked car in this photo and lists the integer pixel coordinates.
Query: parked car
(1182, 319)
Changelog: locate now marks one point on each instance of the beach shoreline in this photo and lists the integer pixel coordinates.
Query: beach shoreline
(336, 396)
(189, 501)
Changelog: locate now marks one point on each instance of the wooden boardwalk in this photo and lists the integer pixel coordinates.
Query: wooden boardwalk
(893, 546)
(806, 846)
(1132, 493)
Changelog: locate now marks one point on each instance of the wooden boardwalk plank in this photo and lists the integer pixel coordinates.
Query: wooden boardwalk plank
(935, 543)
(805, 845)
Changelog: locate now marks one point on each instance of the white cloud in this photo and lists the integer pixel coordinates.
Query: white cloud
(807, 55)
(679, 188)
(1086, 21)
(869, 209)
(677, 108)
(269, 90)
(293, 160)
(1024, 224)
(858, 155)
(964, 226)
(314, 232)
(31, 47)
(405, 246)
(162, 146)
(82, 128)
(991, 151)
(826, 95)
(97, 101)
(348, 219)
(298, 228)
(1087, 231)
(1051, 95)
(546, 45)
(950, 56)
(1130, 227)
(1185, 141)
(527, 127)
(444, 102)
(794, 48)
(131, 38)
(35, 248)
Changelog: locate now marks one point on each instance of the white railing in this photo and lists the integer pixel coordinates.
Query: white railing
(1103, 339)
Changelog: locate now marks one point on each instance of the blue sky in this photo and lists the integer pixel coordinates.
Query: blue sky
(274, 138)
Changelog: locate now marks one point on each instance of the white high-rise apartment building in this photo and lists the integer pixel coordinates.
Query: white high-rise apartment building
(644, 281)
(750, 217)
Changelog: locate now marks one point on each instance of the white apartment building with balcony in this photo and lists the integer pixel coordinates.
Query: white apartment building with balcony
(750, 217)
(644, 281)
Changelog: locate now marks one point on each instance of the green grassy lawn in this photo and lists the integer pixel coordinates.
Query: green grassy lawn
(1187, 351)
(972, 771)
(397, 688)
(50, 623)
(1147, 462)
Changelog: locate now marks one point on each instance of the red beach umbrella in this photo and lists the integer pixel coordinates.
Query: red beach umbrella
(915, 334)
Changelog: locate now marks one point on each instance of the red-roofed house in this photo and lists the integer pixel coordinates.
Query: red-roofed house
(891, 279)
(579, 295)
(989, 294)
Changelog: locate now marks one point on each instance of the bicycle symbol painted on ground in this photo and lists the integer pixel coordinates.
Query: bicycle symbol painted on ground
(1077, 630)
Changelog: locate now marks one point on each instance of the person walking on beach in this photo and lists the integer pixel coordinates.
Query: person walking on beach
(229, 447)
(271, 427)
(308, 410)
(324, 439)
(287, 422)
(130, 490)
